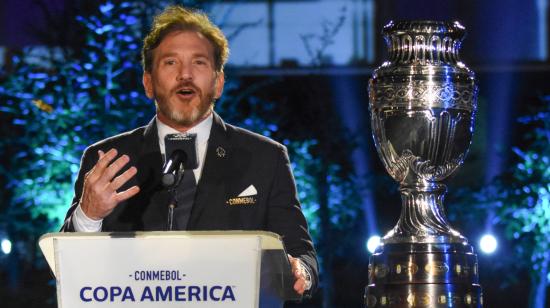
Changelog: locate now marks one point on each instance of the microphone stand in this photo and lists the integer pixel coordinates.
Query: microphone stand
(174, 200)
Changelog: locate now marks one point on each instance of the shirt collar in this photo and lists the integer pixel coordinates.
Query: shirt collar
(202, 130)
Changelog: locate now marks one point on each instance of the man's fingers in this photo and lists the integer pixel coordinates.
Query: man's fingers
(127, 194)
(300, 286)
(299, 274)
(293, 261)
(113, 169)
(295, 266)
(103, 162)
(123, 178)
(105, 159)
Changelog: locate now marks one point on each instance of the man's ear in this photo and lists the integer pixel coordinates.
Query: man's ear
(148, 84)
(220, 81)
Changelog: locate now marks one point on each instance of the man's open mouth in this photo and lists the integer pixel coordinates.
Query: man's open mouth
(186, 92)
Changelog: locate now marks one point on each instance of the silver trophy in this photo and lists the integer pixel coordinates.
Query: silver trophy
(422, 102)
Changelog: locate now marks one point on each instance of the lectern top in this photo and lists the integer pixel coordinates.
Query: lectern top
(268, 240)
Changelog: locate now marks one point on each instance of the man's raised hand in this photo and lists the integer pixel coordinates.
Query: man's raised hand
(100, 196)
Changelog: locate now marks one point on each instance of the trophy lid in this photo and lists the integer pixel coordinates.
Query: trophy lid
(453, 29)
(424, 42)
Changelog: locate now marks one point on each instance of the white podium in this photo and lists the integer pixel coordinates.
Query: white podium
(169, 269)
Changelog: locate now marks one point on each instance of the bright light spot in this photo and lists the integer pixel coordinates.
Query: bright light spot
(372, 243)
(6, 246)
(488, 244)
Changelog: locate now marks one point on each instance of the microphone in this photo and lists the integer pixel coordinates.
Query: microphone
(180, 150)
(171, 167)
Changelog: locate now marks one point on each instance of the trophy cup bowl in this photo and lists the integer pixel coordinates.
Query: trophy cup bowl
(422, 103)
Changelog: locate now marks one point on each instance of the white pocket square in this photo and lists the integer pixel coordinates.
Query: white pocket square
(249, 191)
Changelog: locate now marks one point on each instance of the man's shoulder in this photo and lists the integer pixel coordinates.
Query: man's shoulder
(248, 138)
(130, 137)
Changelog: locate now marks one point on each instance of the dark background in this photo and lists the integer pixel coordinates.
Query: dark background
(507, 47)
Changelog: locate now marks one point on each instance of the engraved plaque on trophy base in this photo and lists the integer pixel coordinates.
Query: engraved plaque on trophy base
(423, 275)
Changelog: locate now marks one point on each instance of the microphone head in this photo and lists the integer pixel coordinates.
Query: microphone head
(168, 179)
(185, 143)
(170, 171)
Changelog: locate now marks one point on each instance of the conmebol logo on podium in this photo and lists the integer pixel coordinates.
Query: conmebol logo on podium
(167, 269)
(173, 290)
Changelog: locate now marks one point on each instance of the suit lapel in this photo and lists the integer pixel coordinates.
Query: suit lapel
(211, 189)
(150, 160)
(152, 199)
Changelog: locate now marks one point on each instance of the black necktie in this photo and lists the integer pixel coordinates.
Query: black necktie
(185, 197)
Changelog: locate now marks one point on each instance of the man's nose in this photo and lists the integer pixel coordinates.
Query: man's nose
(185, 73)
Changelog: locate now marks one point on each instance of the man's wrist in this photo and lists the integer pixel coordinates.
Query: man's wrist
(307, 274)
(83, 223)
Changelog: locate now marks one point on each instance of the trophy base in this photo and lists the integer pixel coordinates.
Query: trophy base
(423, 275)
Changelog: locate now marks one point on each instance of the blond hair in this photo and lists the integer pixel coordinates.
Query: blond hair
(177, 18)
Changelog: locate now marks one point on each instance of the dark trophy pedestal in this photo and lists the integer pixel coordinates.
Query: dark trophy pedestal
(423, 275)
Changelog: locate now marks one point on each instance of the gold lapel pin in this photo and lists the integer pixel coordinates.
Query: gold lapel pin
(220, 152)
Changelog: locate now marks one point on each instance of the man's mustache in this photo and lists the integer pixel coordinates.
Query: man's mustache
(186, 86)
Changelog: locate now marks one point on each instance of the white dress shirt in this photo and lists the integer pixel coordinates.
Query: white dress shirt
(83, 223)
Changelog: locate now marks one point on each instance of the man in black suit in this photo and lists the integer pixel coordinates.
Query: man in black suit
(243, 180)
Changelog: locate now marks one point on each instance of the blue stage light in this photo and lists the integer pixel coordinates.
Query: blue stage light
(488, 243)
(5, 245)
(372, 243)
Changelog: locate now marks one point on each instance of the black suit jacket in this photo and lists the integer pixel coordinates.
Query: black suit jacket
(235, 159)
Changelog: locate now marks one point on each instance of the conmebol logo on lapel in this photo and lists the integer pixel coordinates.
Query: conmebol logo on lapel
(246, 197)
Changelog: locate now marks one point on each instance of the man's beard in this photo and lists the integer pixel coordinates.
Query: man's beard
(186, 118)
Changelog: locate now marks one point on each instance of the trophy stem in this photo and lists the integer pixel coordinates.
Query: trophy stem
(423, 218)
